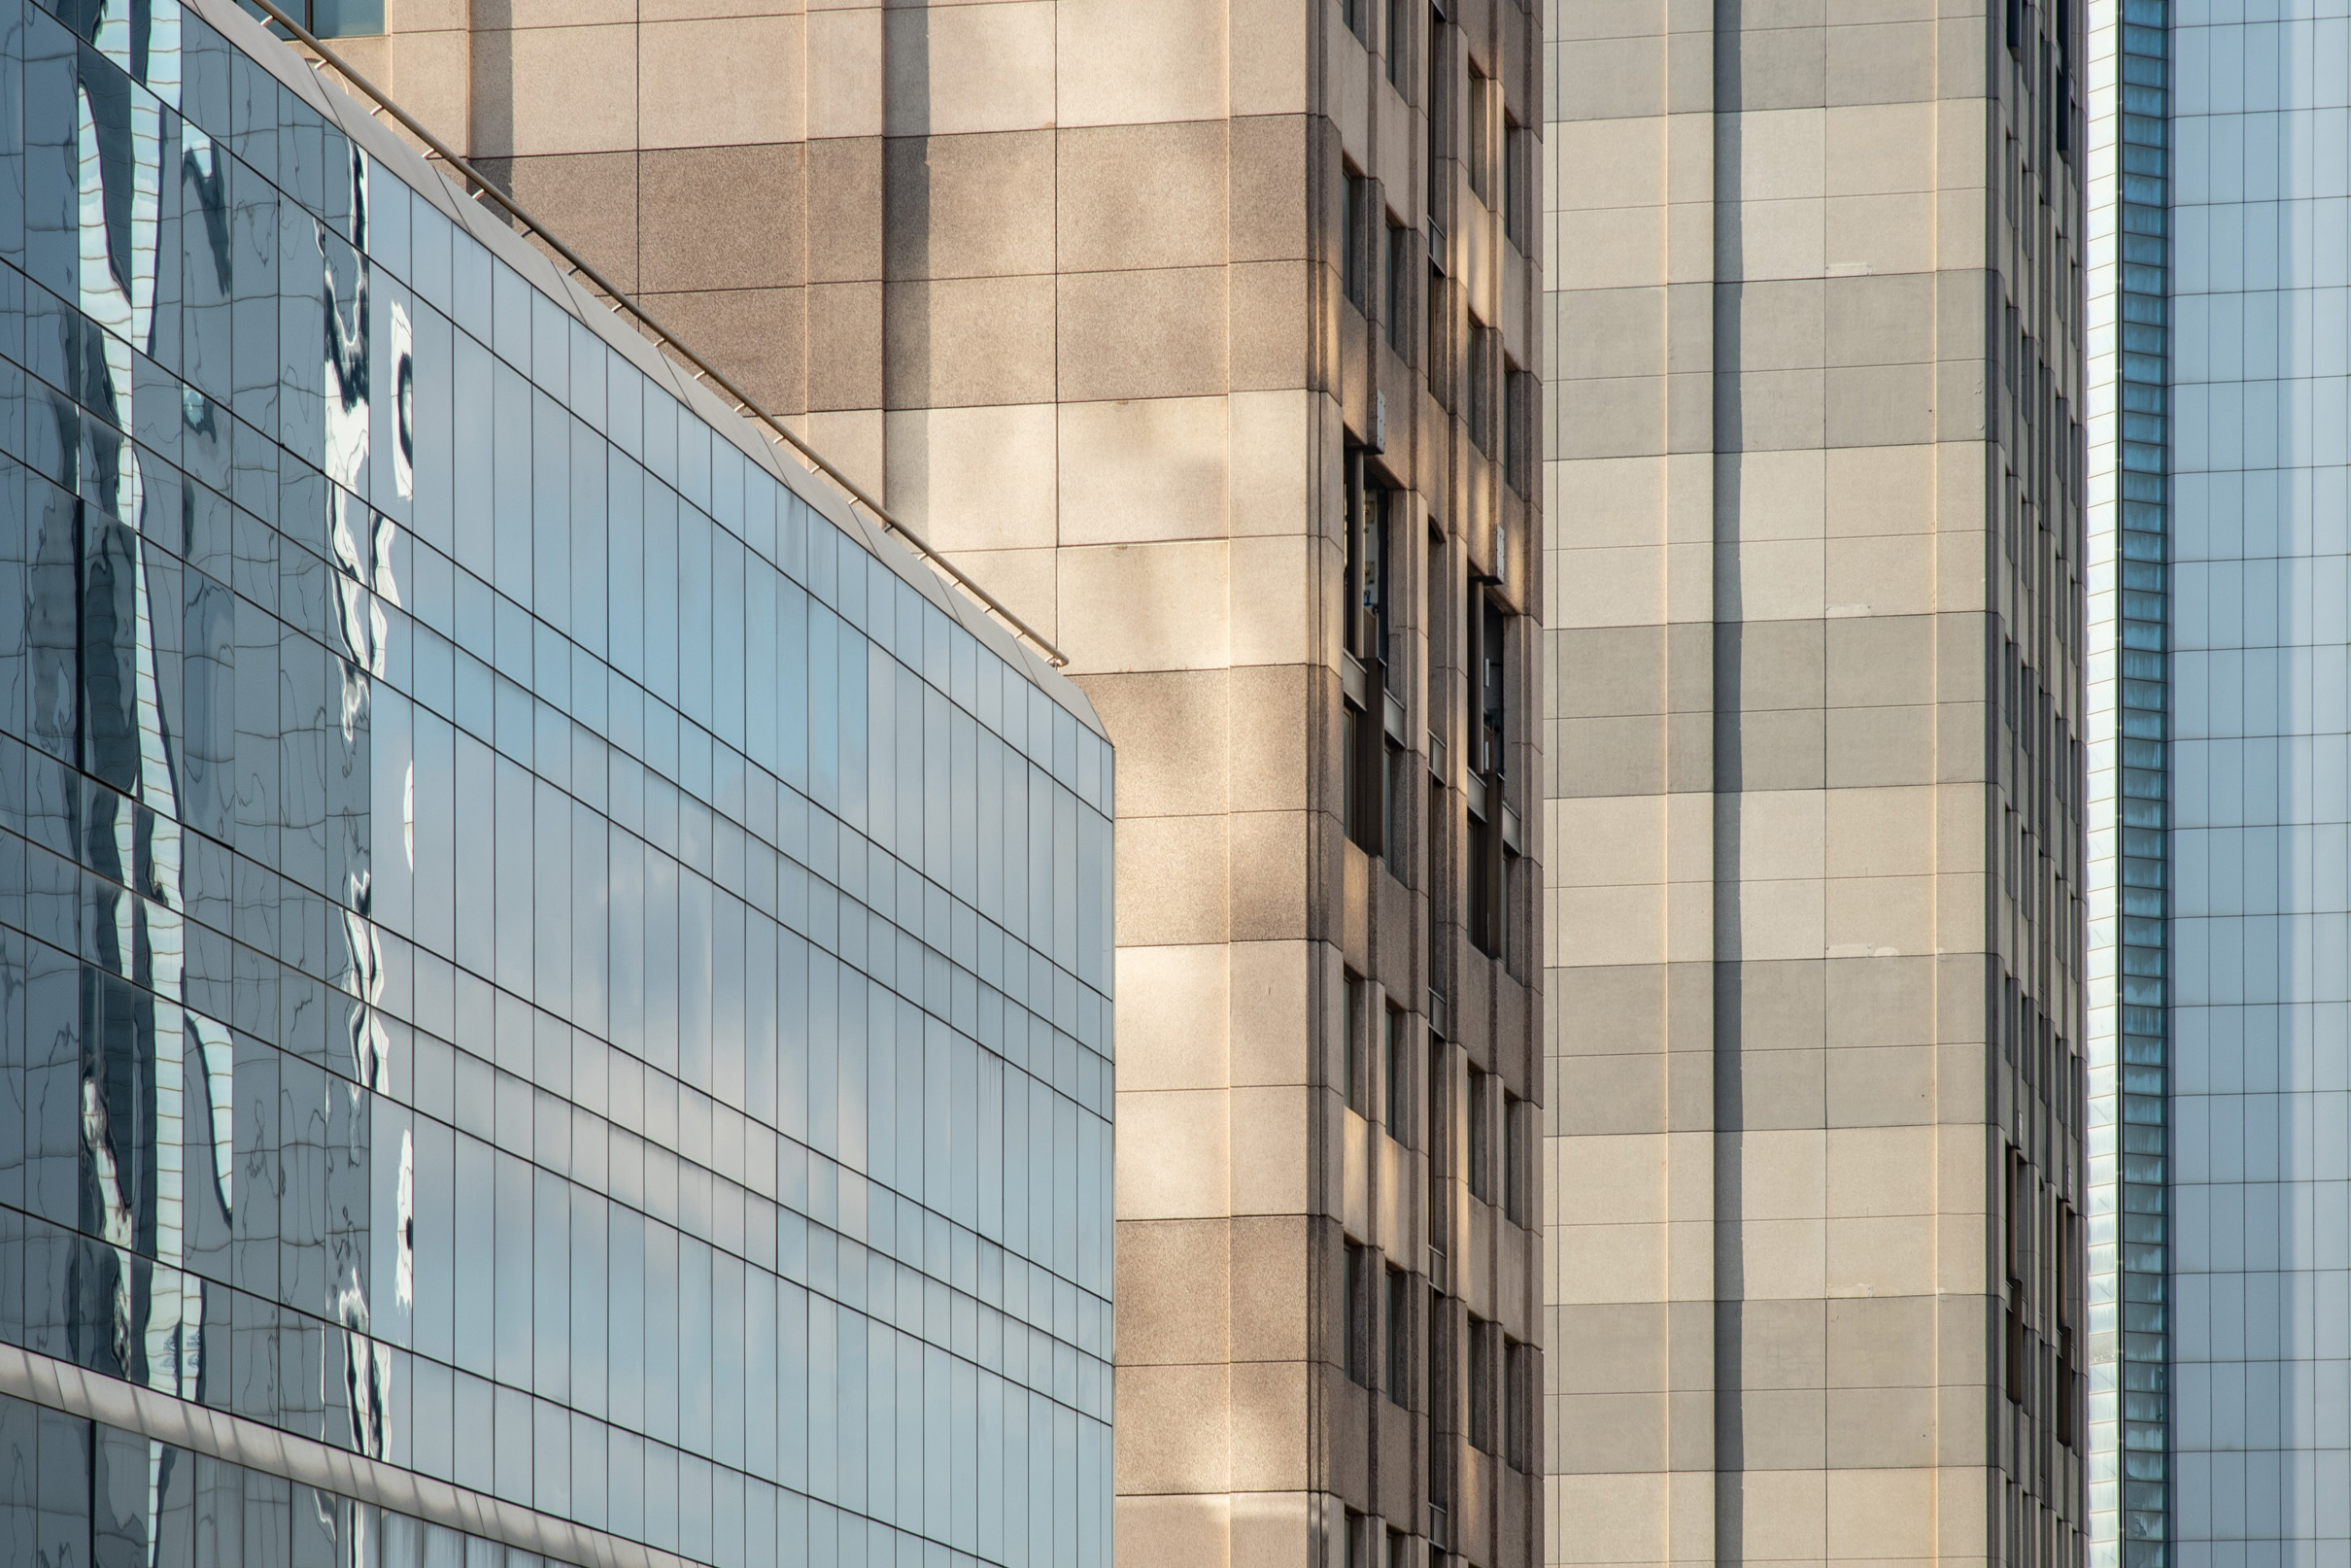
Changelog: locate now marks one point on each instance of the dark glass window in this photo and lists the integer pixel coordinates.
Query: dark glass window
(1361, 1294)
(1400, 1337)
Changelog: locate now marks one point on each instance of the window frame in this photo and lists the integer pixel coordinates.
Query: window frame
(1397, 1326)
(1356, 1312)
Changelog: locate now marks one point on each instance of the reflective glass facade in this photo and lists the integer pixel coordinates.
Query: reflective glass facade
(532, 950)
(2232, 1251)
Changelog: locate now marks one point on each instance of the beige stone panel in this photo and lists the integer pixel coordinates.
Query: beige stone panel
(1171, 879)
(1780, 152)
(1270, 1261)
(1880, 1514)
(1270, 1149)
(1881, 1428)
(1608, 419)
(1880, 149)
(1612, 79)
(845, 208)
(1881, 1171)
(1880, 916)
(1121, 63)
(590, 199)
(526, 97)
(1606, 162)
(970, 206)
(1880, 1002)
(1605, 841)
(1876, 490)
(1885, 1343)
(1784, 1258)
(1881, 1258)
(1773, 239)
(718, 218)
(1270, 311)
(1781, 580)
(1881, 320)
(1267, 57)
(1174, 1429)
(699, 10)
(1142, 334)
(978, 479)
(1609, 1519)
(1774, 324)
(1272, 1440)
(844, 333)
(1881, 62)
(1779, 68)
(1622, 1178)
(845, 72)
(1269, 995)
(1145, 470)
(1272, 1528)
(424, 15)
(1881, 405)
(1782, 1174)
(431, 71)
(1270, 881)
(1174, 1295)
(1608, 1434)
(1606, 926)
(1141, 196)
(1782, 1429)
(1781, 834)
(1890, 233)
(1174, 1531)
(851, 440)
(1275, 592)
(1609, 587)
(970, 341)
(1611, 247)
(1772, 409)
(1781, 495)
(1271, 436)
(1173, 734)
(761, 330)
(704, 84)
(954, 70)
(1615, 1348)
(1783, 1344)
(1610, 501)
(1880, 832)
(1778, 920)
(1271, 729)
(1175, 1013)
(1880, 1085)
(1174, 1163)
(1024, 580)
(1608, 1263)
(1782, 1515)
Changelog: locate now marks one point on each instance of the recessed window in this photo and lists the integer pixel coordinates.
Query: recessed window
(1358, 1049)
(1515, 1159)
(1485, 121)
(1485, 352)
(1519, 448)
(1520, 1369)
(1358, 14)
(1481, 1136)
(1400, 1337)
(1483, 1351)
(1399, 39)
(1398, 312)
(1355, 244)
(1518, 181)
(1394, 1066)
(1359, 1292)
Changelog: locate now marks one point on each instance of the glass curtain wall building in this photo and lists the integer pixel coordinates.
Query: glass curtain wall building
(2225, 860)
(554, 986)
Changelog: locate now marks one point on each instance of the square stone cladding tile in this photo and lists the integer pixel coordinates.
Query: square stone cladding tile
(722, 218)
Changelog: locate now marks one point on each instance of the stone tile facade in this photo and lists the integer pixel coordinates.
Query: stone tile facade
(1069, 283)
(1814, 1284)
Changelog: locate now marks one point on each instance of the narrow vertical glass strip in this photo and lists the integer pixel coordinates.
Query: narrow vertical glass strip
(2130, 885)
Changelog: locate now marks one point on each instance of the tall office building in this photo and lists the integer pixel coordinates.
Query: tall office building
(554, 984)
(1203, 332)
(2220, 482)
(1816, 676)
